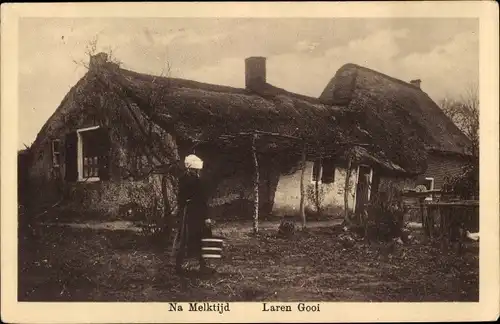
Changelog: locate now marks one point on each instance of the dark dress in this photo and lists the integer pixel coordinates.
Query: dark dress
(193, 199)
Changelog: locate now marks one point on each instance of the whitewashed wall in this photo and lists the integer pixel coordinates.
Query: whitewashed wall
(287, 198)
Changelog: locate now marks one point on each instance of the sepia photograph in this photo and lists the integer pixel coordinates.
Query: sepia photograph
(200, 161)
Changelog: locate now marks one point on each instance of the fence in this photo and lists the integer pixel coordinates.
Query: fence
(445, 218)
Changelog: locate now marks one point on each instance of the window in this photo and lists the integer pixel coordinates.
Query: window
(429, 184)
(328, 174)
(56, 153)
(324, 170)
(87, 155)
(316, 170)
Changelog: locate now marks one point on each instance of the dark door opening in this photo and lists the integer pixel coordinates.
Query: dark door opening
(362, 189)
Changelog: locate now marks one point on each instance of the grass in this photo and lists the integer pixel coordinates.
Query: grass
(69, 264)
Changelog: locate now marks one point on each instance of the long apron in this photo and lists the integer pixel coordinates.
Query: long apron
(193, 196)
(194, 229)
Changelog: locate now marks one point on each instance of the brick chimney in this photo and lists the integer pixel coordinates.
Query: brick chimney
(416, 82)
(255, 71)
(97, 60)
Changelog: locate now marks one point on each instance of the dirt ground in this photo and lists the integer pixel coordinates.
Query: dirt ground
(106, 263)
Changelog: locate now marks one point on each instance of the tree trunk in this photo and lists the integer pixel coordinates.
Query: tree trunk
(255, 187)
(317, 199)
(167, 221)
(347, 187)
(302, 188)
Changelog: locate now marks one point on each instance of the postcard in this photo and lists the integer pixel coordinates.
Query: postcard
(250, 162)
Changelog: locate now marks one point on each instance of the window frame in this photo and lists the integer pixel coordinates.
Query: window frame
(54, 153)
(431, 179)
(319, 179)
(79, 155)
(320, 172)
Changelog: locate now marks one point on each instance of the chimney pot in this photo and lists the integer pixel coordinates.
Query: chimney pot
(416, 82)
(255, 71)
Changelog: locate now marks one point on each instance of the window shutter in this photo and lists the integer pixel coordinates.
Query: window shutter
(71, 157)
(104, 153)
(316, 167)
(328, 175)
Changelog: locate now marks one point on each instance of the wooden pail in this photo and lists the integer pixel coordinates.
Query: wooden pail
(211, 247)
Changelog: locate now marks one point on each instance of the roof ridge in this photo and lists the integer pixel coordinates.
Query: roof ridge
(296, 95)
(184, 83)
(198, 85)
(411, 86)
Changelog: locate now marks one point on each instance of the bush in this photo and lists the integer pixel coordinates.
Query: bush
(316, 195)
(383, 218)
(464, 185)
(286, 227)
(155, 225)
(387, 220)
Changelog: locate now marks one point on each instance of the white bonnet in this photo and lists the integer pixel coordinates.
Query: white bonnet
(193, 162)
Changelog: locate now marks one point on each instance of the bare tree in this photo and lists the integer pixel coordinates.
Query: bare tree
(302, 186)
(255, 186)
(464, 112)
(349, 157)
(91, 50)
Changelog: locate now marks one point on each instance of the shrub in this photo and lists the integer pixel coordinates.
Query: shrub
(464, 185)
(154, 225)
(384, 216)
(316, 195)
(387, 220)
(286, 227)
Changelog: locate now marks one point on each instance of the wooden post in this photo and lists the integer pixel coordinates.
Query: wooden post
(430, 218)
(302, 188)
(346, 189)
(422, 215)
(255, 186)
(316, 186)
(445, 213)
(427, 217)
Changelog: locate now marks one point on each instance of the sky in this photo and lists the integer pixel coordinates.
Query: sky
(303, 54)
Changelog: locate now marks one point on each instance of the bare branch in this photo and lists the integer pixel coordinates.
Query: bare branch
(464, 112)
(91, 47)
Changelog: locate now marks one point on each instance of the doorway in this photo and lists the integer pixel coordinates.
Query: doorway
(363, 187)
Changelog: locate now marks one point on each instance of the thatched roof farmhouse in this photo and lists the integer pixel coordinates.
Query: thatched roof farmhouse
(400, 108)
(118, 136)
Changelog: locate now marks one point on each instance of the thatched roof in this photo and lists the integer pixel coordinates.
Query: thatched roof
(207, 113)
(214, 115)
(393, 107)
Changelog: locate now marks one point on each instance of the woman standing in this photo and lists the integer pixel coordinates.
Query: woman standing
(195, 224)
